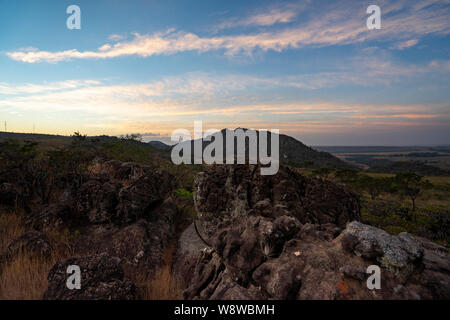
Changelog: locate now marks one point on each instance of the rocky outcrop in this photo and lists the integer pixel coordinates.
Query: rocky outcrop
(395, 253)
(317, 265)
(128, 214)
(139, 245)
(227, 192)
(97, 201)
(189, 247)
(143, 196)
(292, 237)
(102, 278)
(104, 199)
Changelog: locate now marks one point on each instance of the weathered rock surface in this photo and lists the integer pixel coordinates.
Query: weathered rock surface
(311, 266)
(128, 214)
(392, 252)
(189, 248)
(98, 201)
(292, 237)
(105, 199)
(102, 278)
(143, 196)
(139, 245)
(224, 193)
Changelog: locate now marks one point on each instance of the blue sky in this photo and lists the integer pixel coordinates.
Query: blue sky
(309, 68)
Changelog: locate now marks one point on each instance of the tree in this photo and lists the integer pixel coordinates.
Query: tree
(322, 172)
(410, 185)
(374, 186)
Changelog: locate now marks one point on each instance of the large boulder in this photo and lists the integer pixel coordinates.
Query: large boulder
(143, 196)
(139, 245)
(133, 220)
(189, 248)
(226, 192)
(104, 200)
(396, 253)
(98, 200)
(102, 278)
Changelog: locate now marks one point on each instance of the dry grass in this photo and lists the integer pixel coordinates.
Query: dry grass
(10, 228)
(162, 284)
(25, 276)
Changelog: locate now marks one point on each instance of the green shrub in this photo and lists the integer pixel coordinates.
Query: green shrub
(183, 193)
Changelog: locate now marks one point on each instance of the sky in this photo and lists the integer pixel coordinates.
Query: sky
(311, 69)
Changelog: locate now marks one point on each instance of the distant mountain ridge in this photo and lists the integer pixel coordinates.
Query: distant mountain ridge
(292, 152)
(160, 145)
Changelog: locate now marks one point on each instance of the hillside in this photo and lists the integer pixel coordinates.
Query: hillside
(292, 152)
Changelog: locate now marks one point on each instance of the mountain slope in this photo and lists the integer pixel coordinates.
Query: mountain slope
(292, 152)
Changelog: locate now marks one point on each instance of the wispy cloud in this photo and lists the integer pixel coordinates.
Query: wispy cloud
(30, 88)
(337, 26)
(176, 101)
(285, 14)
(116, 37)
(405, 44)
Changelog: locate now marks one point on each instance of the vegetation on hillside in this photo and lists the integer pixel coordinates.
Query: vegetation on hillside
(402, 202)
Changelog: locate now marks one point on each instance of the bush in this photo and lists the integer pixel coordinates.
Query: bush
(183, 193)
(393, 217)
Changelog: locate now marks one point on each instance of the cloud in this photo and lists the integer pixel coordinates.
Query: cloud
(206, 96)
(7, 89)
(440, 65)
(159, 108)
(285, 14)
(406, 44)
(116, 37)
(338, 25)
(371, 67)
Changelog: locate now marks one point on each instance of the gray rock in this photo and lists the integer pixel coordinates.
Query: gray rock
(188, 249)
(393, 252)
(97, 201)
(102, 278)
